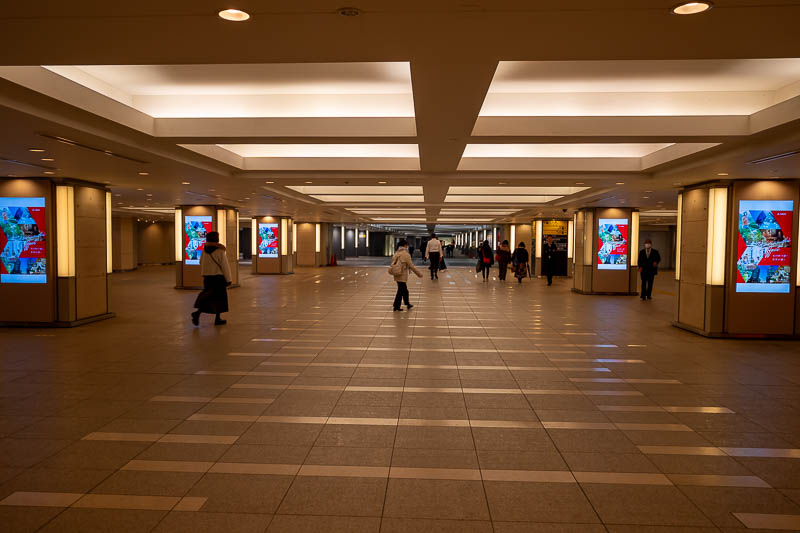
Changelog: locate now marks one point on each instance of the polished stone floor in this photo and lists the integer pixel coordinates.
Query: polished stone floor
(488, 407)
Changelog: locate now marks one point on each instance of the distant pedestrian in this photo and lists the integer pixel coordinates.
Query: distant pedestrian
(216, 274)
(520, 260)
(486, 259)
(401, 264)
(548, 259)
(433, 251)
(503, 259)
(649, 258)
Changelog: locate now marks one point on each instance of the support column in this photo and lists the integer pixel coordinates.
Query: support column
(273, 245)
(736, 264)
(55, 238)
(309, 244)
(603, 264)
(192, 223)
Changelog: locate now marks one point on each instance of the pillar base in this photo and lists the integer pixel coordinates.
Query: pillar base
(721, 335)
(58, 324)
(580, 291)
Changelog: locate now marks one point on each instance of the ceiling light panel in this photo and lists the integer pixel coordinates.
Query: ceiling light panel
(478, 211)
(349, 198)
(369, 89)
(516, 190)
(498, 199)
(387, 211)
(323, 150)
(646, 88)
(577, 150)
(355, 189)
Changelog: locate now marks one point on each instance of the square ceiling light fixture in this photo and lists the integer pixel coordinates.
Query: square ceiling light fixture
(509, 195)
(574, 157)
(362, 193)
(375, 157)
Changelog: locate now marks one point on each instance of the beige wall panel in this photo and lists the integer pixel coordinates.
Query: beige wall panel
(692, 304)
(34, 302)
(91, 294)
(124, 243)
(306, 258)
(90, 202)
(156, 243)
(695, 205)
(693, 267)
(306, 238)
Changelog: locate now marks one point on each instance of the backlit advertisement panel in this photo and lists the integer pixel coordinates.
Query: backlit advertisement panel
(612, 249)
(764, 246)
(195, 237)
(23, 240)
(268, 242)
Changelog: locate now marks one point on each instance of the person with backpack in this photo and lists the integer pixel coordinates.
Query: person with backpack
(520, 260)
(216, 274)
(401, 264)
(486, 258)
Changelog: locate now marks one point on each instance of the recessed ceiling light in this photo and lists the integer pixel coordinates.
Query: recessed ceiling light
(382, 182)
(645, 197)
(691, 8)
(502, 183)
(48, 159)
(212, 190)
(578, 183)
(48, 172)
(234, 15)
(620, 183)
(648, 192)
(139, 189)
(36, 149)
(186, 183)
(309, 182)
(269, 182)
(722, 173)
(144, 173)
(117, 194)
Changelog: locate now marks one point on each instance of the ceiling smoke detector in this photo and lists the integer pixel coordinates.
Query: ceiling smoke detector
(349, 11)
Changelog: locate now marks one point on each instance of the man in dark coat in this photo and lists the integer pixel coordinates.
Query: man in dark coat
(649, 258)
(548, 255)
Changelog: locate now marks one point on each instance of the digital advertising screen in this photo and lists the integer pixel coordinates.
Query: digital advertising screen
(268, 240)
(23, 240)
(612, 249)
(194, 238)
(764, 246)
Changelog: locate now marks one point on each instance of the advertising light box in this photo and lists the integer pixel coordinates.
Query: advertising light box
(197, 227)
(764, 246)
(612, 249)
(268, 240)
(23, 240)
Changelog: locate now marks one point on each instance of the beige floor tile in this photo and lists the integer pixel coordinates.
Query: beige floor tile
(538, 502)
(313, 524)
(336, 496)
(202, 522)
(422, 498)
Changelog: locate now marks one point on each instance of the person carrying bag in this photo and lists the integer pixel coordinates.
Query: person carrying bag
(401, 264)
(216, 272)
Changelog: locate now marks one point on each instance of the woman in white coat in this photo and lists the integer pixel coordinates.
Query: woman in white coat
(216, 274)
(401, 264)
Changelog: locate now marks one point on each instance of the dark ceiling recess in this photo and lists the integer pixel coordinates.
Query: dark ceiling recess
(773, 157)
(23, 163)
(70, 142)
(349, 11)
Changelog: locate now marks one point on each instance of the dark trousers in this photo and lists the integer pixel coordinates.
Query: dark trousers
(549, 278)
(503, 269)
(647, 284)
(486, 271)
(435, 260)
(402, 294)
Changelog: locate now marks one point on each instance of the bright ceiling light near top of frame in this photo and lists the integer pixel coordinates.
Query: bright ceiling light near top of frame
(324, 150)
(234, 15)
(579, 150)
(356, 189)
(691, 8)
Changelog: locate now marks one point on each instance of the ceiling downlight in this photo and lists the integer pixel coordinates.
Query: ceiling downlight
(234, 15)
(691, 8)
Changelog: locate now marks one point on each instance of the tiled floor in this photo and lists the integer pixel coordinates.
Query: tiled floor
(488, 407)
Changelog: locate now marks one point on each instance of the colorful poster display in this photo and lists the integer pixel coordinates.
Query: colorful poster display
(268, 240)
(765, 246)
(23, 240)
(612, 250)
(195, 237)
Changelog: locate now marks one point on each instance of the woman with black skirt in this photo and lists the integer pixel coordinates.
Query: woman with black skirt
(216, 274)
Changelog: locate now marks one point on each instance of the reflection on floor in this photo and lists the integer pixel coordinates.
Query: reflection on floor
(489, 406)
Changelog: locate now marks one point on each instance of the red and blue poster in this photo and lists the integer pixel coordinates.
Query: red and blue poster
(23, 240)
(612, 249)
(765, 246)
(268, 240)
(197, 227)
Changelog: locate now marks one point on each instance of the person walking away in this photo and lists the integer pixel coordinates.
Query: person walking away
(486, 258)
(649, 258)
(548, 255)
(520, 261)
(503, 259)
(401, 264)
(216, 274)
(434, 252)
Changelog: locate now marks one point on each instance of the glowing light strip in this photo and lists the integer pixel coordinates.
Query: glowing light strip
(283, 236)
(538, 239)
(109, 242)
(633, 250)
(317, 238)
(571, 239)
(65, 230)
(717, 231)
(178, 234)
(678, 239)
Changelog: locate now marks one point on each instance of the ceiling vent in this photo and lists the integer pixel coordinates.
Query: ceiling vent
(773, 157)
(70, 142)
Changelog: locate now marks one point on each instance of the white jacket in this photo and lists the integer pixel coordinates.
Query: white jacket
(215, 263)
(434, 245)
